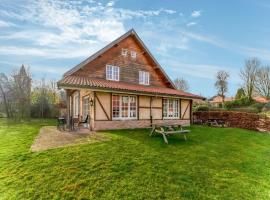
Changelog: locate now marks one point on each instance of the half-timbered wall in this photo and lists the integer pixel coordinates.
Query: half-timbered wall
(185, 109)
(102, 106)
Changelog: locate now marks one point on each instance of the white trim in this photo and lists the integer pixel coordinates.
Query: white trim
(113, 70)
(175, 107)
(144, 78)
(76, 105)
(133, 54)
(124, 52)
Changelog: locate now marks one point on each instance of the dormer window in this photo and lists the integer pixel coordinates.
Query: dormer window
(112, 73)
(133, 54)
(143, 78)
(124, 52)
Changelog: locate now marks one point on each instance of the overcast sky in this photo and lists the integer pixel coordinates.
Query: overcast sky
(191, 39)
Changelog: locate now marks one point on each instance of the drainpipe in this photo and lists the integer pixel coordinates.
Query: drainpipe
(151, 117)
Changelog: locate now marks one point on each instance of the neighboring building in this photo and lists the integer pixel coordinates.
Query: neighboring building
(260, 99)
(216, 101)
(123, 86)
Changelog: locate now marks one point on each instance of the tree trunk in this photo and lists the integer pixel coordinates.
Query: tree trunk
(5, 102)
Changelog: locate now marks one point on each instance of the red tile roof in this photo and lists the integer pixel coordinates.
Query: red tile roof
(80, 81)
(261, 99)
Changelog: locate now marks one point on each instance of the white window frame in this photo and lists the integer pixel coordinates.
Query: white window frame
(124, 52)
(129, 110)
(85, 104)
(175, 114)
(133, 54)
(76, 105)
(112, 72)
(144, 78)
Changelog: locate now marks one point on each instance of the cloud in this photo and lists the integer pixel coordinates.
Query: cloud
(191, 24)
(78, 22)
(205, 71)
(204, 38)
(5, 24)
(48, 53)
(255, 52)
(196, 13)
(110, 3)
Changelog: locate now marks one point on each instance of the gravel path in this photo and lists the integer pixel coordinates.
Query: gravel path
(49, 138)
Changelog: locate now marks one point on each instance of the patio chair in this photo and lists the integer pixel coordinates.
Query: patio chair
(61, 124)
(85, 121)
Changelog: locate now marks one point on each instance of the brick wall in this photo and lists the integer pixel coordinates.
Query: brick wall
(245, 120)
(130, 124)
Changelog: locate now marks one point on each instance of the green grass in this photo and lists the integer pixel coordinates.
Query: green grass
(214, 163)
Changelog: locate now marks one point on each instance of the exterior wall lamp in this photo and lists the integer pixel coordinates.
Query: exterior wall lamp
(91, 102)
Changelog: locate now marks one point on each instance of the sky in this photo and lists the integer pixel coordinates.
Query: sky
(192, 39)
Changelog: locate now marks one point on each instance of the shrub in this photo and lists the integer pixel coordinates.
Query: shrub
(258, 106)
(2, 115)
(202, 108)
(266, 107)
(245, 101)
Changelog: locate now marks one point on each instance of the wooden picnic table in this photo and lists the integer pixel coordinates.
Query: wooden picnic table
(166, 130)
(216, 122)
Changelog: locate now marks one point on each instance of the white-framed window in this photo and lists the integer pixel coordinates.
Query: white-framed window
(171, 108)
(124, 52)
(143, 78)
(124, 107)
(112, 73)
(76, 104)
(133, 54)
(85, 107)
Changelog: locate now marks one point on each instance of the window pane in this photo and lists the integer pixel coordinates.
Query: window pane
(124, 106)
(112, 72)
(165, 107)
(133, 112)
(171, 108)
(116, 106)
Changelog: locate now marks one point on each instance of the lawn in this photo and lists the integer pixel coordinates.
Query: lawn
(214, 163)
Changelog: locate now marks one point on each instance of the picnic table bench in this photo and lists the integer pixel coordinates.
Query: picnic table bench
(166, 130)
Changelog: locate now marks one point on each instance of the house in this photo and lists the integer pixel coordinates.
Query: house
(123, 86)
(260, 99)
(216, 101)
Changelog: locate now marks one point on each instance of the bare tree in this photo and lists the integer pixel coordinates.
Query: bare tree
(262, 81)
(248, 75)
(222, 83)
(5, 94)
(22, 93)
(181, 84)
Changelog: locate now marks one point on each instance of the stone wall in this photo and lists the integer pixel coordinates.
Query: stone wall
(245, 120)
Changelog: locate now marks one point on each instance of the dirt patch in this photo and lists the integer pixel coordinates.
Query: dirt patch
(49, 138)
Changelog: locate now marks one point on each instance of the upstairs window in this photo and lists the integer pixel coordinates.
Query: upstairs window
(112, 73)
(133, 54)
(124, 52)
(143, 78)
(171, 109)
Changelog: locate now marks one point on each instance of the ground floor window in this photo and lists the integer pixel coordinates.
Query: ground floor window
(76, 104)
(170, 108)
(86, 107)
(124, 107)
